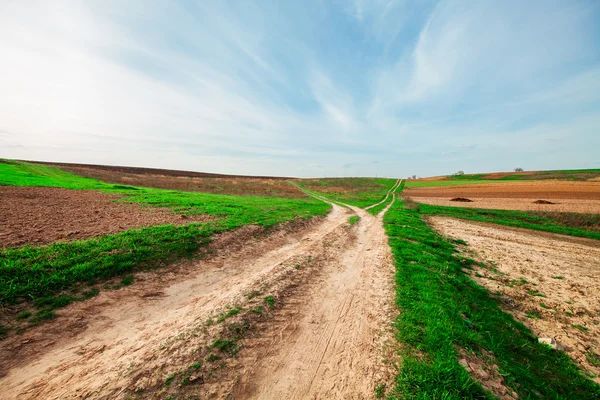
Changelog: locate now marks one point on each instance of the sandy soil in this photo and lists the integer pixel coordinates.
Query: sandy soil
(544, 190)
(334, 288)
(41, 215)
(525, 204)
(327, 346)
(549, 282)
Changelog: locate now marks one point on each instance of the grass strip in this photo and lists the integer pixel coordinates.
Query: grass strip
(521, 219)
(34, 272)
(443, 310)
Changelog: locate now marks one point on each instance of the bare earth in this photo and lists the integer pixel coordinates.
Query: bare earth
(333, 285)
(560, 205)
(41, 215)
(549, 282)
(583, 197)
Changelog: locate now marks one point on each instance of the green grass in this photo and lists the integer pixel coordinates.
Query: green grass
(32, 272)
(442, 310)
(353, 220)
(520, 219)
(270, 301)
(359, 192)
(230, 313)
(17, 173)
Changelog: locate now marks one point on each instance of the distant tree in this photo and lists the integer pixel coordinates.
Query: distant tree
(518, 169)
(414, 177)
(459, 173)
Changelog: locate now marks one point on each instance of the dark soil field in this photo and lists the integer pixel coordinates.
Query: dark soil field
(42, 215)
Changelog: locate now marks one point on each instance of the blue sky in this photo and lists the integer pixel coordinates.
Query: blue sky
(303, 88)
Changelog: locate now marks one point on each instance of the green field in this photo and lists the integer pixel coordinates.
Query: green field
(359, 192)
(54, 275)
(441, 310)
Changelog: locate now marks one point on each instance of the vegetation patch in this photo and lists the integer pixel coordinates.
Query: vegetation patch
(442, 310)
(230, 313)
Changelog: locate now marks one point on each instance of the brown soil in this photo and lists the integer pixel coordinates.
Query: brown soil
(514, 190)
(483, 368)
(549, 282)
(559, 205)
(333, 285)
(40, 215)
(192, 182)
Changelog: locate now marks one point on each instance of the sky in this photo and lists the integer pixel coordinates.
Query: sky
(303, 88)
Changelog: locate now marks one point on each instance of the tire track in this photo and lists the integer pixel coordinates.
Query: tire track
(335, 348)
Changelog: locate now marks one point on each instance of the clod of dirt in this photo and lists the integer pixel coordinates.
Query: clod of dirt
(462, 200)
(543, 202)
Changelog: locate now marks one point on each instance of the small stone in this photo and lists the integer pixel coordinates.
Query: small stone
(549, 341)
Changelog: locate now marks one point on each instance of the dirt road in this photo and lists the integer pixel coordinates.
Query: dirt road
(325, 339)
(333, 349)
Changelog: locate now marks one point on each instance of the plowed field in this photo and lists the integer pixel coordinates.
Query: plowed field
(41, 215)
(581, 197)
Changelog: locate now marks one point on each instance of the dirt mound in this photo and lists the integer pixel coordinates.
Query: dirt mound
(42, 215)
(462, 200)
(543, 202)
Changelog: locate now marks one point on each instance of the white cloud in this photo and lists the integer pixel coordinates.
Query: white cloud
(257, 88)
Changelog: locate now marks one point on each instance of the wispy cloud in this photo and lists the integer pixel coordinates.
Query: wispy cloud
(265, 88)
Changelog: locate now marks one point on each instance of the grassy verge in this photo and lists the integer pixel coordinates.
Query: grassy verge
(359, 192)
(51, 276)
(561, 224)
(442, 312)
